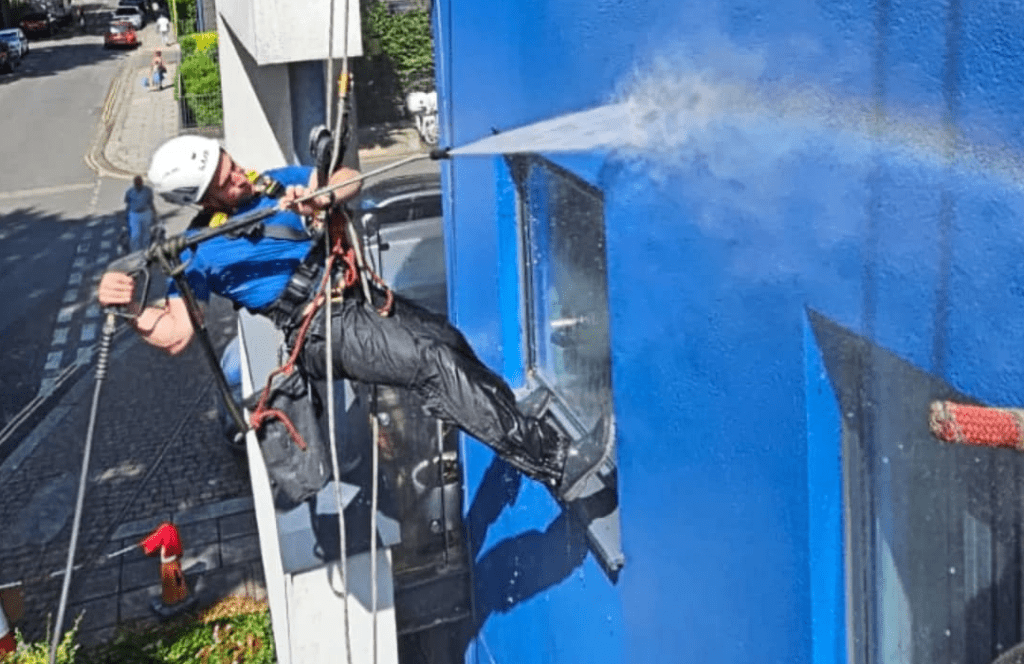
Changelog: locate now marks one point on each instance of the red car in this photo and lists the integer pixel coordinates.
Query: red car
(37, 23)
(120, 34)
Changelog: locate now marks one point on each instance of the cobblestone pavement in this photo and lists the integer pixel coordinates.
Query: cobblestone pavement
(158, 452)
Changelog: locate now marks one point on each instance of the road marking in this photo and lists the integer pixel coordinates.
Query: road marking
(53, 360)
(95, 196)
(44, 191)
(77, 317)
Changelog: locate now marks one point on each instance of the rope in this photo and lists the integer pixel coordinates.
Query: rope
(351, 275)
(373, 527)
(262, 413)
(329, 359)
(977, 425)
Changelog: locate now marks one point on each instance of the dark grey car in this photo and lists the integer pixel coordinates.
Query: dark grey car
(402, 220)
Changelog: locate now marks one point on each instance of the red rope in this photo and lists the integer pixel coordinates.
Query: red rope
(262, 413)
(349, 278)
(977, 425)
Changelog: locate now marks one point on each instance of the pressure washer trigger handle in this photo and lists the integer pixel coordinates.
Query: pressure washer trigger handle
(136, 266)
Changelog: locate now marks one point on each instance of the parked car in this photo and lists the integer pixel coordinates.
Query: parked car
(120, 33)
(401, 218)
(130, 14)
(59, 14)
(38, 23)
(16, 39)
(6, 59)
(141, 5)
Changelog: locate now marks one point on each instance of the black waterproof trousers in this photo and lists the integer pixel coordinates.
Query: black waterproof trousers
(419, 350)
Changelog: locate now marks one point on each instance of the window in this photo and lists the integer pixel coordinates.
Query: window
(566, 287)
(565, 301)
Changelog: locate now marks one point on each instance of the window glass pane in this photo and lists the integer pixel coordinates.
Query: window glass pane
(429, 206)
(567, 288)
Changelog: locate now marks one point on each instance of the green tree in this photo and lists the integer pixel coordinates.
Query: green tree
(399, 58)
(199, 75)
(402, 38)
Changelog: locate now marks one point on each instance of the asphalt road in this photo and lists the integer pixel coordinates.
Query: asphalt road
(58, 221)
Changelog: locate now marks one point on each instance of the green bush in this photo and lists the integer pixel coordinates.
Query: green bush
(404, 39)
(245, 637)
(187, 16)
(38, 652)
(399, 59)
(200, 78)
(198, 41)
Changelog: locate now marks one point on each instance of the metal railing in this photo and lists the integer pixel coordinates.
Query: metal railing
(201, 111)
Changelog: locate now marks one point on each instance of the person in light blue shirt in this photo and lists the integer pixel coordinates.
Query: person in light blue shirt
(139, 206)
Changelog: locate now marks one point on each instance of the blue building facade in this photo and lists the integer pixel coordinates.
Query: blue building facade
(778, 231)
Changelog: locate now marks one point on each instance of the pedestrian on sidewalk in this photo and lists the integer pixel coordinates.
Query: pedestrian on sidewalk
(140, 211)
(163, 25)
(157, 71)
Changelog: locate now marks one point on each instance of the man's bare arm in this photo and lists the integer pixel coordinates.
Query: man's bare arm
(167, 327)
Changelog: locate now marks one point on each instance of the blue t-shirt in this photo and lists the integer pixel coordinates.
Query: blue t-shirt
(249, 272)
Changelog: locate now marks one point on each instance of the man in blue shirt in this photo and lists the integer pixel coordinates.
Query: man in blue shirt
(138, 202)
(410, 347)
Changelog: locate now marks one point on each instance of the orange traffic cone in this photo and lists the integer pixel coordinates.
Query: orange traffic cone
(175, 596)
(7, 641)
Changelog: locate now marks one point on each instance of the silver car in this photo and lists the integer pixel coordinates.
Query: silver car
(129, 15)
(17, 40)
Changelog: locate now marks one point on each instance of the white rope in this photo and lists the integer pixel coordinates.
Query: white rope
(329, 83)
(331, 436)
(329, 354)
(342, 88)
(373, 525)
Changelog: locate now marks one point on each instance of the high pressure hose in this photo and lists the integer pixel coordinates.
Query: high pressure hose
(102, 359)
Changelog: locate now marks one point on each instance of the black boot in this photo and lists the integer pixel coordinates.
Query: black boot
(585, 458)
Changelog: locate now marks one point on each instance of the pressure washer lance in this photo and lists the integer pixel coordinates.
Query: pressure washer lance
(54, 574)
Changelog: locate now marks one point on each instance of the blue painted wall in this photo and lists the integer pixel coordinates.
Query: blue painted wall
(871, 174)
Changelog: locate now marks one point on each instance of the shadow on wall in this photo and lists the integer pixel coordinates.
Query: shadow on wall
(520, 567)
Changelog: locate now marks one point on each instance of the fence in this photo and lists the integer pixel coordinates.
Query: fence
(201, 112)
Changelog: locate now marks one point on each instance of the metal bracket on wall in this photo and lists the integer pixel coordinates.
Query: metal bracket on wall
(597, 507)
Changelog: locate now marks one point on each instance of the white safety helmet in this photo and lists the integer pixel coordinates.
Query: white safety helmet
(182, 168)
